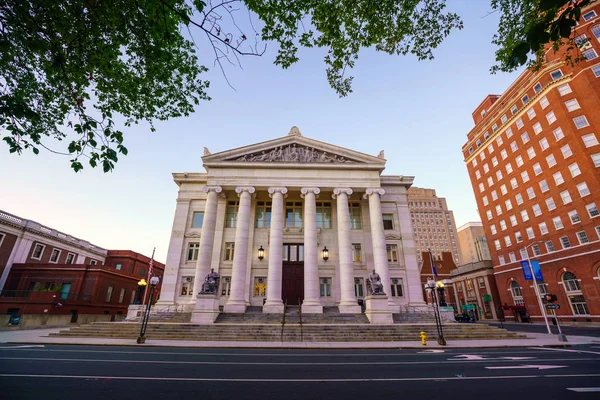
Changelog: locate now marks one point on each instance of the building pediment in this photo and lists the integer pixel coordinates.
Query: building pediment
(292, 149)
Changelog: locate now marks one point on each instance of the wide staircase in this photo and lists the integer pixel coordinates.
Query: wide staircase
(331, 326)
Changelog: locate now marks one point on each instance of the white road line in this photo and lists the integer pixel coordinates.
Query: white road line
(540, 367)
(21, 347)
(362, 354)
(585, 389)
(570, 351)
(92, 360)
(147, 378)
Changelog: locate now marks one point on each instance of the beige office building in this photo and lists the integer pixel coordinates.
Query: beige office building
(472, 245)
(433, 224)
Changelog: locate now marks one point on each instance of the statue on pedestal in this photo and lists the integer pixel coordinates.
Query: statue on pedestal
(374, 285)
(211, 283)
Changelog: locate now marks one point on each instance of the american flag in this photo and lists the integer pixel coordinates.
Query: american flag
(151, 268)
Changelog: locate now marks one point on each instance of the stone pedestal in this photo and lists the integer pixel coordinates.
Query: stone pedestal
(206, 310)
(378, 310)
(273, 308)
(134, 311)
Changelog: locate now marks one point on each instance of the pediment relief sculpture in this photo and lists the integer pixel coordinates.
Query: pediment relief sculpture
(391, 236)
(293, 153)
(192, 235)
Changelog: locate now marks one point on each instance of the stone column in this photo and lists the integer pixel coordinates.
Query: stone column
(312, 302)
(207, 238)
(348, 304)
(380, 260)
(274, 303)
(236, 302)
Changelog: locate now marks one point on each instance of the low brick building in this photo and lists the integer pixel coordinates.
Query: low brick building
(52, 278)
(475, 290)
(443, 265)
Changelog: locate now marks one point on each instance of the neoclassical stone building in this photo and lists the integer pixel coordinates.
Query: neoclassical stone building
(292, 220)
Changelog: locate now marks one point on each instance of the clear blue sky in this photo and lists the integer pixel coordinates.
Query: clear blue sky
(418, 112)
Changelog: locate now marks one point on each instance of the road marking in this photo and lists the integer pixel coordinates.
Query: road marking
(496, 360)
(321, 380)
(517, 358)
(569, 351)
(469, 357)
(432, 351)
(527, 367)
(22, 347)
(584, 390)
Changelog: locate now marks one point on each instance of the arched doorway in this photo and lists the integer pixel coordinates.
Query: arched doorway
(574, 293)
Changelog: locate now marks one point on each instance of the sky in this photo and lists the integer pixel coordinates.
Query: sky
(419, 112)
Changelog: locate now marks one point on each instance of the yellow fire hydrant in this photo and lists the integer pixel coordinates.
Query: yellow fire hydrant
(423, 339)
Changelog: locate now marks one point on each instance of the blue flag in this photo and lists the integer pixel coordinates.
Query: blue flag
(537, 271)
(526, 270)
(433, 270)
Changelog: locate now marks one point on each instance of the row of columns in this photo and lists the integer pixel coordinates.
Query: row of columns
(311, 304)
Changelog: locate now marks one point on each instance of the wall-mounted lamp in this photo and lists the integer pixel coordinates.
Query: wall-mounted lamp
(261, 253)
(325, 254)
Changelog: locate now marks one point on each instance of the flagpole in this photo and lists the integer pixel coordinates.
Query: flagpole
(150, 272)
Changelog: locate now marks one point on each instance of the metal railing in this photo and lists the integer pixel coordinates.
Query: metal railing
(300, 313)
(285, 306)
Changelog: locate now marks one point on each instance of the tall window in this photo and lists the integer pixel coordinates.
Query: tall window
(392, 253)
(356, 252)
(70, 258)
(54, 256)
(293, 214)
(198, 220)
(397, 288)
(38, 251)
(229, 250)
(324, 215)
(231, 213)
(263, 214)
(187, 285)
(226, 286)
(359, 284)
(121, 296)
(354, 215)
(325, 287)
(573, 289)
(388, 222)
(109, 293)
(193, 249)
(517, 294)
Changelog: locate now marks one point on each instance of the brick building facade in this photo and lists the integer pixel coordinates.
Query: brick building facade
(534, 162)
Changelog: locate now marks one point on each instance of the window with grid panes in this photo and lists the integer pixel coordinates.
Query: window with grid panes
(513, 220)
(564, 89)
(397, 287)
(531, 113)
(592, 210)
(550, 204)
(550, 246)
(596, 159)
(565, 243)
(556, 74)
(499, 140)
(485, 201)
(589, 54)
(537, 168)
(514, 109)
(574, 216)
(572, 105)
(530, 233)
(503, 190)
(481, 187)
(518, 237)
(544, 102)
(229, 250)
(550, 117)
(544, 186)
(566, 197)
(519, 198)
(583, 189)
(581, 122)
(502, 225)
(520, 123)
(543, 228)
(388, 220)
(507, 241)
(324, 215)
(513, 183)
(493, 229)
(524, 215)
(231, 213)
(193, 249)
(525, 176)
(519, 161)
(263, 214)
(497, 244)
(536, 250)
(503, 154)
(574, 169)
(494, 161)
(530, 152)
(293, 214)
(566, 151)
(557, 223)
(509, 168)
(511, 257)
(392, 253)
(525, 137)
(537, 210)
(544, 144)
(537, 128)
(589, 140)
(325, 287)
(558, 179)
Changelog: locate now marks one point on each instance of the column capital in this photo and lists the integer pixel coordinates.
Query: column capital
(216, 189)
(338, 191)
(241, 189)
(307, 190)
(273, 190)
(371, 191)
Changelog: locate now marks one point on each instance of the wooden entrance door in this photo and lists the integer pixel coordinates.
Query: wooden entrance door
(292, 285)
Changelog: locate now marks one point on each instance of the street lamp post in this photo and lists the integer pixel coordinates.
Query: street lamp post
(537, 289)
(142, 338)
(436, 312)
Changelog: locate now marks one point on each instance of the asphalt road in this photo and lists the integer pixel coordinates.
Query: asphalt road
(100, 372)
(579, 330)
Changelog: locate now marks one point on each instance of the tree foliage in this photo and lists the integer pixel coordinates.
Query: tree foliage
(73, 72)
(528, 27)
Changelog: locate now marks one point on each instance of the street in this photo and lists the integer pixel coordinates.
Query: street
(94, 372)
(577, 330)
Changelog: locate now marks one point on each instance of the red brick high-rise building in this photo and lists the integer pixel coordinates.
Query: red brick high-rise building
(534, 163)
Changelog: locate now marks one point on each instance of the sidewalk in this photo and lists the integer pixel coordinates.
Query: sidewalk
(40, 336)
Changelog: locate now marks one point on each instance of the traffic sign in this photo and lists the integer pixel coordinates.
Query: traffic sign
(553, 306)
